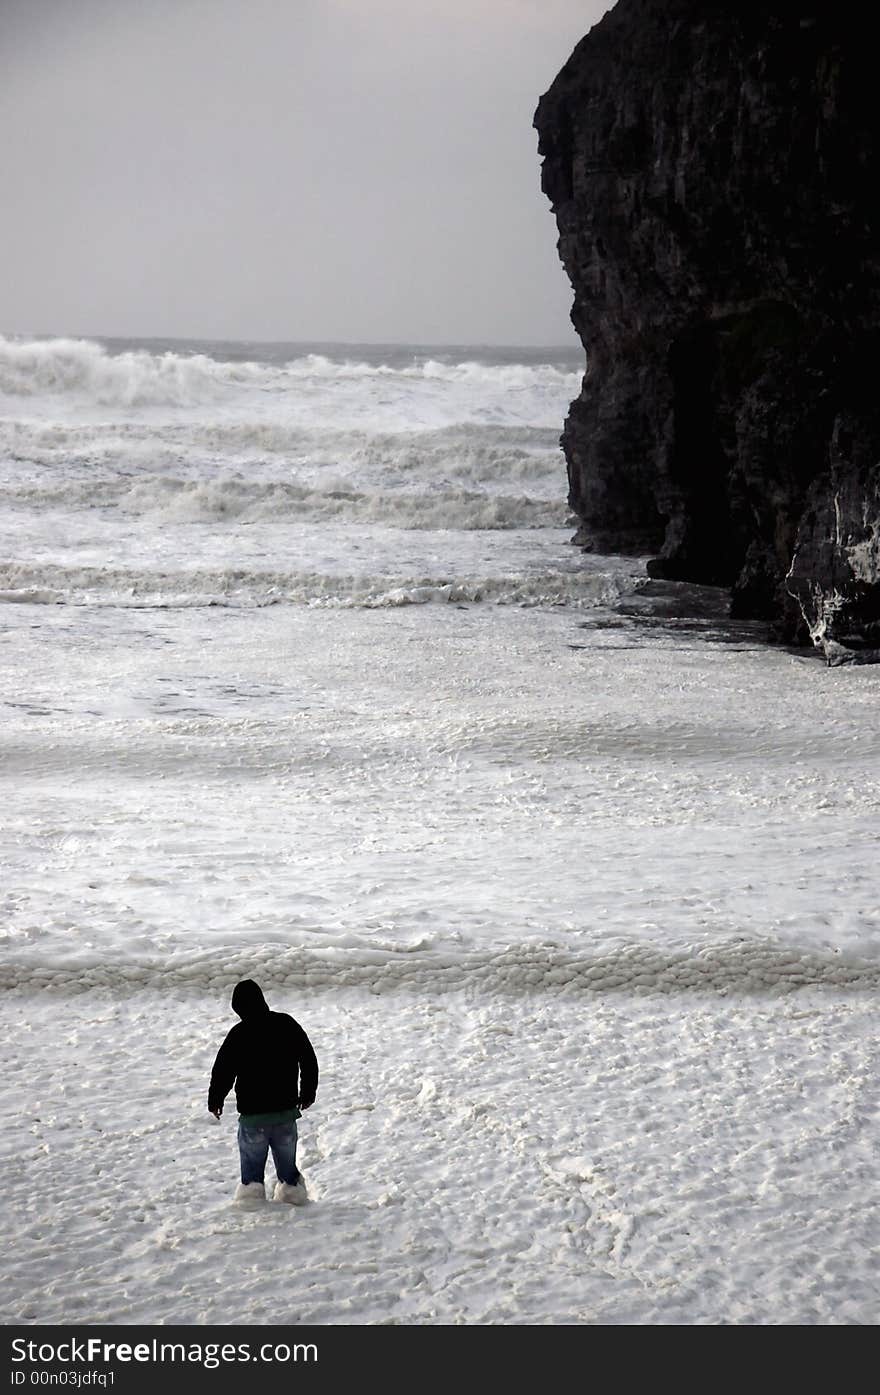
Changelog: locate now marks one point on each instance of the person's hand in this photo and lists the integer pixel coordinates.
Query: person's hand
(306, 1104)
(216, 1112)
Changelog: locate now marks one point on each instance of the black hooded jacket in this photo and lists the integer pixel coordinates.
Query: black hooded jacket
(268, 1057)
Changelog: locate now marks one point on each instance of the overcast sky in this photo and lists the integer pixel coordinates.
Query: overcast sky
(281, 169)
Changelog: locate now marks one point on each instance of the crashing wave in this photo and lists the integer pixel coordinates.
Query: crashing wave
(48, 367)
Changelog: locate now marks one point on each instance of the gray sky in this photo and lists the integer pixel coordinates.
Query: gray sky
(281, 169)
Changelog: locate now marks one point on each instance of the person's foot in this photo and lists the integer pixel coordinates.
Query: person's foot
(294, 1193)
(250, 1191)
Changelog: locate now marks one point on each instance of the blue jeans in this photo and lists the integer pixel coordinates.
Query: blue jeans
(254, 1142)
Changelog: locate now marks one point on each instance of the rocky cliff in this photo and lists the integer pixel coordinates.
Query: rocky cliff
(715, 172)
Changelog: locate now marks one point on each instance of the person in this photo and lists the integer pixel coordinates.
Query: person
(269, 1058)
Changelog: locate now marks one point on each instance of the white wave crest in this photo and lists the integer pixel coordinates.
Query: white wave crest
(463, 476)
(466, 451)
(35, 368)
(49, 367)
(233, 498)
(509, 375)
(109, 586)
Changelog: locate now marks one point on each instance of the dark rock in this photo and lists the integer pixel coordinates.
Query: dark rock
(836, 566)
(714, 171)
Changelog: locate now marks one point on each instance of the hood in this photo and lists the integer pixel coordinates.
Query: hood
(247, 999)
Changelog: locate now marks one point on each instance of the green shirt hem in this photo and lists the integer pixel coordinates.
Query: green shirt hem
(275, 1116)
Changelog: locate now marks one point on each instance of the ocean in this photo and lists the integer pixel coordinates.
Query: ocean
(175, 474)
(571, 882)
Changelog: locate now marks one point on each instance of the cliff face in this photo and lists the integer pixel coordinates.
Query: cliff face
(715, 175)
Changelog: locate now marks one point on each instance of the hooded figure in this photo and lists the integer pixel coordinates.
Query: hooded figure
(270, 1060)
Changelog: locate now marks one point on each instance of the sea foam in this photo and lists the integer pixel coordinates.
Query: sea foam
(239, 587)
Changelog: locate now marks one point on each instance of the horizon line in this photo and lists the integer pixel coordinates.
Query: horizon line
(328, 342)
